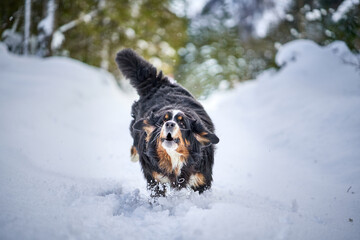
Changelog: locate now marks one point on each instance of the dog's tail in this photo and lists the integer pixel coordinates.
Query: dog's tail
(142, 74)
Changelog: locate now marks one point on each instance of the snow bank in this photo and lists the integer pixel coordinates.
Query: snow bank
(287, 165)
(293, 136)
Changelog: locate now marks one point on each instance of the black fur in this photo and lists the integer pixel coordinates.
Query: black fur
(157, 96)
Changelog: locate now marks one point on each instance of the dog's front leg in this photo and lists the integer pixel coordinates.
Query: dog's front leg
(157, 189)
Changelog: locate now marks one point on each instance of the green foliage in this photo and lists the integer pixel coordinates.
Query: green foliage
(219, 56)
(146, 26)
(9, 11)
(207, 52)
(347, 30)
(322, 29)
(216, 57)
(102, 27)
(208, 61)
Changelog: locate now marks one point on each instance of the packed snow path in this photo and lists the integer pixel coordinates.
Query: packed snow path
(287, 166)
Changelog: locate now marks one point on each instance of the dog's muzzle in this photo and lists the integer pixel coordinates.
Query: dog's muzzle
(170, 130)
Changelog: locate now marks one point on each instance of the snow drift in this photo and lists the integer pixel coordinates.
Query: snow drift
(287, 166)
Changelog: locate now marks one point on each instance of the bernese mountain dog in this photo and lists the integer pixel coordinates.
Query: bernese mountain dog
(173, 135)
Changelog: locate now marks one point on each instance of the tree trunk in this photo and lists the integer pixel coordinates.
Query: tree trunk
(27, 26)
(46, 29)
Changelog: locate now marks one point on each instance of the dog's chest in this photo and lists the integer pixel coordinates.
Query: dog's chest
(176, 160)
(171, 161)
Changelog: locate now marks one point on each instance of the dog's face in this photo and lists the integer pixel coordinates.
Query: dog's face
(170, 133)
(175, 131)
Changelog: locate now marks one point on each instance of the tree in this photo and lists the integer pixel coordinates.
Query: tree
(46, 29)
(27, 25)
(232, 41)
(220, 49)
(93, 31)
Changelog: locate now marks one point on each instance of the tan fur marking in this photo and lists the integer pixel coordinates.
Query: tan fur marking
(133, 150)
(134, 154)
(160, 177)
(164, 158)
(168, 164)
(200, 137)
(148, 129)
(197, 180)
(182, 148)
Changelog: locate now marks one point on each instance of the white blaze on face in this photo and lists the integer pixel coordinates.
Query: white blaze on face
(174, 113)
(171, 146)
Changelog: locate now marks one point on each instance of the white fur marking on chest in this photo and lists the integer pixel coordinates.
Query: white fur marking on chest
(176, 160)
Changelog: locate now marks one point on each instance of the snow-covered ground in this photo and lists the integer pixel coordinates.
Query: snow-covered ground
(287, 165)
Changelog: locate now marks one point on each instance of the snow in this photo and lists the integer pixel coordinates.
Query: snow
(270, 17)
(313, 15)
(187, 8)
(287, 165)
(343, 8)
(13, 40)
(47, 24)
(27, 26)
(57, 40)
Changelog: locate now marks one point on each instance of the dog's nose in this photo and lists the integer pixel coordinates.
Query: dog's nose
(170, 124)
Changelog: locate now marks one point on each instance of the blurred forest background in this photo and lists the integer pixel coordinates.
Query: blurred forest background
(205, 45)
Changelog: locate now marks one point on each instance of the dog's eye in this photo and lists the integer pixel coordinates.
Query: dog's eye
(181, 122)
(166, 117)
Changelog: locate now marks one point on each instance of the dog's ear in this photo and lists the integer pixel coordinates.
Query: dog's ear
(143, 125)
(204, 136)
(138, 125)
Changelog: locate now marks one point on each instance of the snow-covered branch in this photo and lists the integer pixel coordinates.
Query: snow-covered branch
(27, 25)
(46, 29)
(343, 8)
(58, 36)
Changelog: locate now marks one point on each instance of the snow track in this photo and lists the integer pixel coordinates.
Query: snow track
(287, 165)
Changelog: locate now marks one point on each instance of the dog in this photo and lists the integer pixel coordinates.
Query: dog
(173, 135)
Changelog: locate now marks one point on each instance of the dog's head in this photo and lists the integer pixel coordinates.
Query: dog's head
(176, 130)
